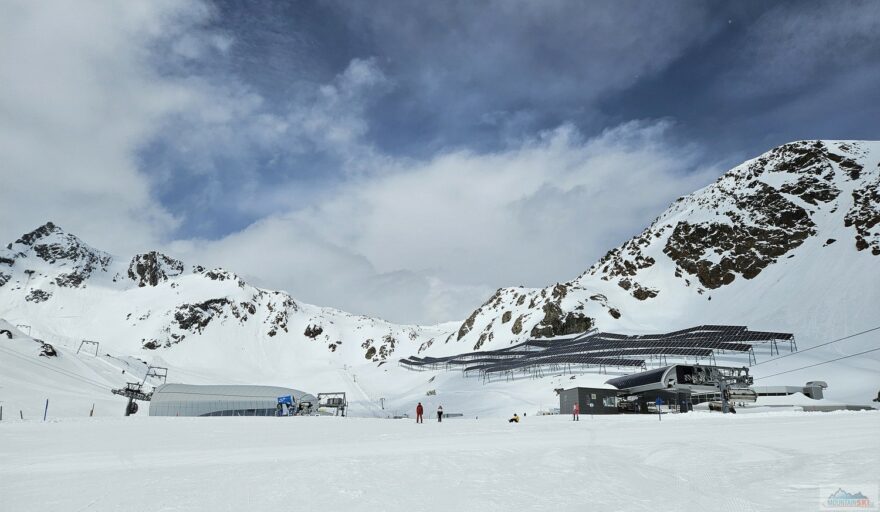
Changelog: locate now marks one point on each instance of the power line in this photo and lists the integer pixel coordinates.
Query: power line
(818, 364)
(817, 346)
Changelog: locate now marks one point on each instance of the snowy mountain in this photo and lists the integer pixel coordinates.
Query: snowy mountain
(67, 290)
(788, 241)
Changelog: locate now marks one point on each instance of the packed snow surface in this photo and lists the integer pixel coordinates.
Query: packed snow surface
(698, 461)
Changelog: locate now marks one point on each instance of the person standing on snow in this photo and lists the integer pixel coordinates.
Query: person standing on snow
(419, 412)
(440, 414)
(575, 411)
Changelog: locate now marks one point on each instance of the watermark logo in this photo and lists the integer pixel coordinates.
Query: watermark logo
(849, 497)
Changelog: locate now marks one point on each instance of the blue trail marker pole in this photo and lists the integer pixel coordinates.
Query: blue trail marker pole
(659, 402)
(46, 410)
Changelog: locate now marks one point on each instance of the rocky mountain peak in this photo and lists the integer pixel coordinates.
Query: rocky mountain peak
(753, 215)
(40, 233)
(64, 251)
(756, 215)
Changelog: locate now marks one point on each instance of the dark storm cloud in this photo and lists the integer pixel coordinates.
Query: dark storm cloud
(478, 74)
(777, 72)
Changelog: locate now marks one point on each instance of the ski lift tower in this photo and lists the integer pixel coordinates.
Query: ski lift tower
(159, 372)
(336, 401)
(89, 343)
(134, 391)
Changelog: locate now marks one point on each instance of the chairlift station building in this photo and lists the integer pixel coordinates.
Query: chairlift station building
(224, 400)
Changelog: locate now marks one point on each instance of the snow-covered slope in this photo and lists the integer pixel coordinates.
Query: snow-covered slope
(206, 325)
(76, 384)
(787, 241)
(695, 462)
(68, 291)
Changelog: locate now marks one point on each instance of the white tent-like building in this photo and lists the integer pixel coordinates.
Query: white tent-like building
(224, 400)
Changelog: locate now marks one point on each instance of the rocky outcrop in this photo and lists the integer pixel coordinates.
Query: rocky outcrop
(558, 323)
(812, 190)
(716, 252)
(642, 293)
(625, 260)
(636, 290)
(280, 306)
(426, 345)
(517, 327)
(389, 343)
(37, 296)
(486, 335)
(381, 352)
(196, 317)
(46, 350)
(806, 157)
(313, 331)
(153, 268)
(864, 216)
(468, 324)
(219, 274)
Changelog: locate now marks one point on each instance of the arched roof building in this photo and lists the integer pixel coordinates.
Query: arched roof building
(222, 400)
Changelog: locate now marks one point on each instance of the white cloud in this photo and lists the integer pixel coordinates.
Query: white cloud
(333, 120)
(227, 133)
(791, 47)
(410, 240)
(427, 241)
(79, 94)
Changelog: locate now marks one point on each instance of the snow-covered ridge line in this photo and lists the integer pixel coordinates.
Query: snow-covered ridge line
(157, 300)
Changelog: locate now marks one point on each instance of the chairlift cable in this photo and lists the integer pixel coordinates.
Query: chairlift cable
(818, 364)
(800, 351)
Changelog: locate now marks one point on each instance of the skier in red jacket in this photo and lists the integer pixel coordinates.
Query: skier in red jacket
(419, 412)
(575, 411)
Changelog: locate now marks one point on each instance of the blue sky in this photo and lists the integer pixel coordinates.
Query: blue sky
(405, 159)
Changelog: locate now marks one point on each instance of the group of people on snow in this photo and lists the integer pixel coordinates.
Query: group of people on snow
(420, 412)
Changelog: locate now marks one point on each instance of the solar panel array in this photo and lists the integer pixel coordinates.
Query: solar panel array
(605, 349)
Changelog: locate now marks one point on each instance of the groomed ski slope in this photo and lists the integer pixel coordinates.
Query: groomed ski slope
(700, 461)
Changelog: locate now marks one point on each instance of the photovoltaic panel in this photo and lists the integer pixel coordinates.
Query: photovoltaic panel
(604, 349)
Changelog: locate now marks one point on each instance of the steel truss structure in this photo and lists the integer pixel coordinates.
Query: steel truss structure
(133, 391)
(601, 350)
